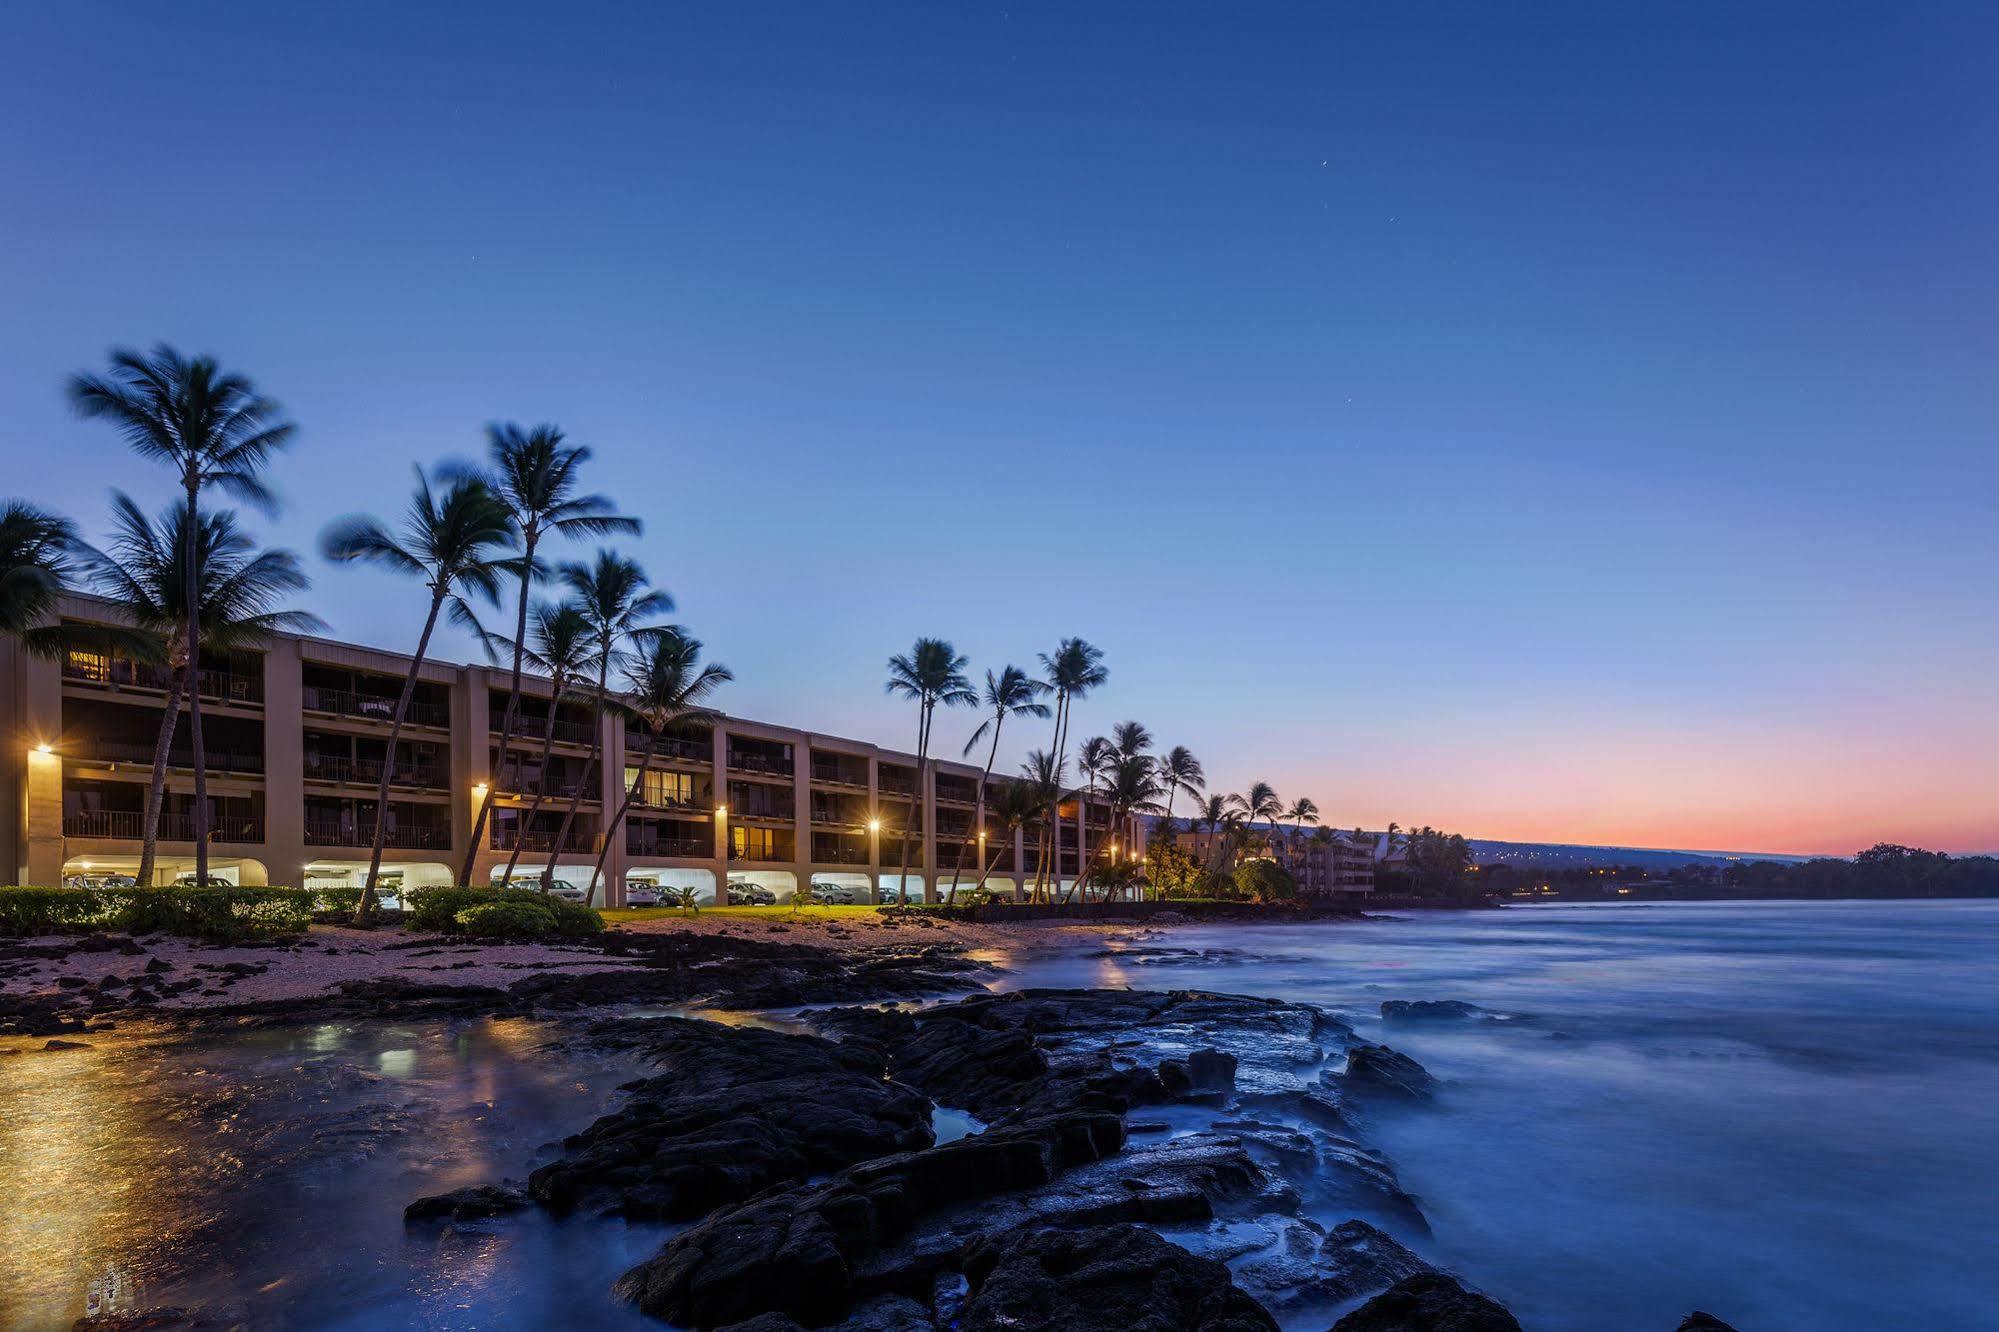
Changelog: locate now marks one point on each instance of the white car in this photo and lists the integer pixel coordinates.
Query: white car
(641, 894)
(832, 894)
(561, 888)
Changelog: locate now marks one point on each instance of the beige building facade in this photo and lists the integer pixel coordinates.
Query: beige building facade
(295, 736)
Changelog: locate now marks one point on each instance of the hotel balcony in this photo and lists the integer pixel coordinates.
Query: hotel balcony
(127, 824)
(368, 772)
(361, 706)
(672, 749)
(833, 773)
(645, 840)
(403, 837)
(537, 839)
(837, 850)
(530, 727)
(228, 762)
(216, 685)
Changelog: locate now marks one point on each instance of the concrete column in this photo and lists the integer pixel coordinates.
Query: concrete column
(1082, 840)
(41, 790)
(721, 785)
(471, 767)
(801, 822)
(284, 764)
(874, 834)
(926, 791)
(611, 780)
(1019, 857)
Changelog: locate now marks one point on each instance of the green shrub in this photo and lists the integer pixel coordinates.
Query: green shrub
(1265, 881)
(202, 913)
(507, 920)
(442, 910)
(573, 919)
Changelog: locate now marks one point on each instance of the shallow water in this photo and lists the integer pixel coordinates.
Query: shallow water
(262, 1176)
(1782, 1113)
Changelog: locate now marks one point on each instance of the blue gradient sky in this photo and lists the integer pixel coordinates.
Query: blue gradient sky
(1555, 421)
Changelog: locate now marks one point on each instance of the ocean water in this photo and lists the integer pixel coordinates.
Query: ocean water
(1786, 1114)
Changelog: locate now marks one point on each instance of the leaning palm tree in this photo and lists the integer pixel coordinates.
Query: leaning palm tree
(1011, 693)
(616, 597)
(36, 547)
(457, 541)
(667, 684)
(559, 647)
(211, 429)
(1261, 801)
(1015, 805)
(932, 673)
(239, 588)
(1303, 810)
(1074, 669)
(535, 472)
(1042, 774)
(1132, 787)
(1180, 771)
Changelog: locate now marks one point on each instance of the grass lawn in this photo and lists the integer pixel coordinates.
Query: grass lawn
(623, 915)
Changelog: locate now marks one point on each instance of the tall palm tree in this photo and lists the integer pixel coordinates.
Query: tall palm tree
(1213, 813)
(1303, 810)
(667, 684)
(1132, 788)
(932, 673)
(1260, 802)
(456, 541)
(535, 472)
(1131, 739)
(1043, 774)
(211, 429)
(1015, 804)
(239, 588)
(35, 551)
(1180, 771)
(617, 599)
(1074, 669)
(1011, 693)
(560, 649)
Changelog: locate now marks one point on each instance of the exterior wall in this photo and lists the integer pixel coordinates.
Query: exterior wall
(33, 694)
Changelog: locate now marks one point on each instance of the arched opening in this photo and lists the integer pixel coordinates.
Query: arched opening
(761, 887)
(664, 885)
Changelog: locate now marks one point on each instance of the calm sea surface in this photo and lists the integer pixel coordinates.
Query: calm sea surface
(1786, 1114)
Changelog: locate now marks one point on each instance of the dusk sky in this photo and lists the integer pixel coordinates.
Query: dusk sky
(1554, 422)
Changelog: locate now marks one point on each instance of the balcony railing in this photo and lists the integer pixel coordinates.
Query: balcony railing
(764, 763)
(373, 707)
(338, 832)
(957, 795)
(895, 786)
(661, 800)
(769, 813)
(368, 772)
(526, 727)
(673, 747)
(126, 825)
(637, 844)
(117, 673)
(559, 786)
(533, 839)
(834, 776)
(827, 853)
(132, 751)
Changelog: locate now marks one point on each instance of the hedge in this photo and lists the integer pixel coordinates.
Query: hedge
(441, 910)
(205, 913)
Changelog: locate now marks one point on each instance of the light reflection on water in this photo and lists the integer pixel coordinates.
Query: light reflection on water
(1780, 1112)
(262, 1175)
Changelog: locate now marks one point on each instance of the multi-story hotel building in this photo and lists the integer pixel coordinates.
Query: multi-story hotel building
(295, 735)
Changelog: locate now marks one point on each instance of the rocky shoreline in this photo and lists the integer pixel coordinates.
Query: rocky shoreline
(1137, 1160)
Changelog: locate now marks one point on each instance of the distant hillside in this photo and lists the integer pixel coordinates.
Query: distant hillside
(1555, 855)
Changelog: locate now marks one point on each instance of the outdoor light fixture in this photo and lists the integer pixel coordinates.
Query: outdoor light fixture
(44, 748)
(721, 811)
(479, 790)
(874, 825)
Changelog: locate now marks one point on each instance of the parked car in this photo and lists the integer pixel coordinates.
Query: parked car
(744, 893)
(641, 893)
(189, 881)
(895, 896)
(832, 894)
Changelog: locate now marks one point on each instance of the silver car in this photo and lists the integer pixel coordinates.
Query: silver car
(832, 894)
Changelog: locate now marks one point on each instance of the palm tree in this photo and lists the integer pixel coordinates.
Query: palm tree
(1043, 774)
(1011, 693)
(1303, 810)
(454, 540)
(535, 472)
(35, 551)
(212, 429)
(1131, 739)
(1180, 770)
(1214, 812)
(561, 650)
(667, 684)
(1015, 805)
(1260, 802)
(1074, 669)
(239, 587)
(616, 598)
(1132, 787)
(931, 674)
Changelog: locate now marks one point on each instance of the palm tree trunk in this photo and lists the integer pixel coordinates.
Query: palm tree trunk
(589, 769)
(365, 912)
(984, 777)
(156, 791)
(915, 801)
(617, 820)
(513, 712)
(534, 804)
(191, 591)
(986, 871)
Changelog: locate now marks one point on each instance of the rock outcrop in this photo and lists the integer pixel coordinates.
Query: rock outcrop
(1107, 1279)
(1430, 1302)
